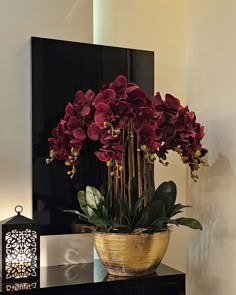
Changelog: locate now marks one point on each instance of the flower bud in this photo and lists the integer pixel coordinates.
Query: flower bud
(109, 163)
(116, 131)
(185, 159)
(197, 154)
(144, 148)
(48, 161)
(52, 154)
(74, 152)
(178, 149)
(152, 157)
(121, 168)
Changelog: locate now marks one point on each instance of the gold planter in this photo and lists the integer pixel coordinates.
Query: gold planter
(131, 254)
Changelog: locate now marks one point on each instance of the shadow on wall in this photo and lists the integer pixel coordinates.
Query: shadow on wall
(210, 265)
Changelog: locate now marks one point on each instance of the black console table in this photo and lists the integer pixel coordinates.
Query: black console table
(92, 278)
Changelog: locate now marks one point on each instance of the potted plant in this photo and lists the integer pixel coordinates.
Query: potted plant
(127, 214)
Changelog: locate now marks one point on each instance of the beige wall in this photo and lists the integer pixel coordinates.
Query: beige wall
(158, 25)
(19, 20)
(211, 84)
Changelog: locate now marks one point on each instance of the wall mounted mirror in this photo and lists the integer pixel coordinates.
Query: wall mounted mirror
(59, 69)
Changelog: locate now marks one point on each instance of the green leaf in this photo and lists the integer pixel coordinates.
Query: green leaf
(99, 208)
(140, 217)
(124, 208)
(167, 187)
(80, 215)
(177, 209)
(104, 212)
(103, 189)
(189, 222)
(81, 196)
(93, 212)
(107, 202)
(156, 210)
(158, 224)
(134, 189)
(168, 201)
(105, 223)
(98, 222)
(97, 212)
(93, 199)
(180, 211)
(141, 198)
(166, 192)
(139, 201)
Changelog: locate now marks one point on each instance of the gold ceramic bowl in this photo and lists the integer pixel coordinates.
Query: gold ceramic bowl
(131, 254)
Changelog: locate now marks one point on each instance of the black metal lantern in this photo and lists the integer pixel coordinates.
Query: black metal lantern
(20, 242)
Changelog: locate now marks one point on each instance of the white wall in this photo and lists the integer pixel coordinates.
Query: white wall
(158, 25)
(19, 20)
(211, 84)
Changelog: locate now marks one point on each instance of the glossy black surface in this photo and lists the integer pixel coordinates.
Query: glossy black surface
(92, 278)
(59, 69)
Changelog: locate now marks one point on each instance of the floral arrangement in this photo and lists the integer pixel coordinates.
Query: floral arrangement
(133, 131)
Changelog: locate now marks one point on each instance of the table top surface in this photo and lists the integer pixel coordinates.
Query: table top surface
(89, 273)
(92, 273)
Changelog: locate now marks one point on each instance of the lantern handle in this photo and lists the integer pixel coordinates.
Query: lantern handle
(18, 209)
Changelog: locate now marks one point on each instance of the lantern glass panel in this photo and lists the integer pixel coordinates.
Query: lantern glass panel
(21, 257)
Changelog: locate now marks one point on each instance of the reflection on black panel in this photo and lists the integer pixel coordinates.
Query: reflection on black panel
(59, 69)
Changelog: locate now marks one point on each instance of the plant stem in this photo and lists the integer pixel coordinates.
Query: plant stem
(110, 184)
(116, 189)
(145, 178)
(151, 183)
(129, 165)
(132, 148)
(122, 176)
(116, 179)
(140, 186)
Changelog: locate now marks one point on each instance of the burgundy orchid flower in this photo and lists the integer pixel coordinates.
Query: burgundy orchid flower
(74, 122)
(131, 87)
(120, 86)
(138, 102)
(157, 103)
(79, 135)
(134, 92)
(107, 138)
(103, 114)
(68, 111)
(158, 107)
(60, 140)
(93, 131)
(148, 138)
(144, 115)
(82, 102)
(123, 112)
(106, 96)
(172, 103)
(110, 152)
